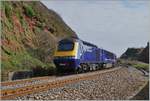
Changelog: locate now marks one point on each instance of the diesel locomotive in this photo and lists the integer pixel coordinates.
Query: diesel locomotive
(76, 55)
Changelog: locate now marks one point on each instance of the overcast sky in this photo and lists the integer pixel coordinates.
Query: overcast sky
(113, 25)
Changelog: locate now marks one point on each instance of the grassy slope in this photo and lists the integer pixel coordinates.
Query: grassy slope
(134, 63)
(29, 35)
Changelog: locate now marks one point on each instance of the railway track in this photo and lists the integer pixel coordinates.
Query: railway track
(8, 83)
(8, 94)
(20, 83)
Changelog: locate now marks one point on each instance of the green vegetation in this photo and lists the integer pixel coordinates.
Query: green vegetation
(133, 63)
(9, 24)
(41, 25)
(25, 43)
(23, 22)
(29, 11)
(8, 9)
(141, 66)
(23, 61)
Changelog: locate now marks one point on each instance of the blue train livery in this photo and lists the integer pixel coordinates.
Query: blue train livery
(76, 55)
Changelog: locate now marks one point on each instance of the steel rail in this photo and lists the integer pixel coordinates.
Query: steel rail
(22, 81)
(8, 94)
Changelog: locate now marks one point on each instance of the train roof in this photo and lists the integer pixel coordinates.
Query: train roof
(76, 39)
(88, 44)
(108, 51)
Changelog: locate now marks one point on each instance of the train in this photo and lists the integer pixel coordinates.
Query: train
(76, 55)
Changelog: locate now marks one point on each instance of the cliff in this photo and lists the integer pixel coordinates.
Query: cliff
(30, 32)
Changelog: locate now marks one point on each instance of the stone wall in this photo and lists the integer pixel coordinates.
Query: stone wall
(20, 75)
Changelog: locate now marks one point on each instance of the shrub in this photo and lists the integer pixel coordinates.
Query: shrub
(8, 10)
(29, 11)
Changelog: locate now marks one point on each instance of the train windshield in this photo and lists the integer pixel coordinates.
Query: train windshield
(65, 46)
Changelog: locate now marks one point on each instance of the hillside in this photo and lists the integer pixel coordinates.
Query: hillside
(132, 53)
(144, 56)
(29, 35)
(141, 54)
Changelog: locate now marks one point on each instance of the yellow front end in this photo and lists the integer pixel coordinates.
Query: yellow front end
(67, 53)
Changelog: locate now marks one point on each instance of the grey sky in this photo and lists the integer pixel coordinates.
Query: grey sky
(114, 25)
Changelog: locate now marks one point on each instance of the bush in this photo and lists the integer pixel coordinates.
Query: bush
(8, 10)
(29, 11)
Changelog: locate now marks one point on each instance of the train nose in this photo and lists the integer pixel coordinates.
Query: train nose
(66, 63)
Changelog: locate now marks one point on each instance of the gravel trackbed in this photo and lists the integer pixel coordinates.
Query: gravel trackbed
(116, 85)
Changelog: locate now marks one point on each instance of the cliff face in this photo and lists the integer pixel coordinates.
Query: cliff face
(29, 35)
(141, 54)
